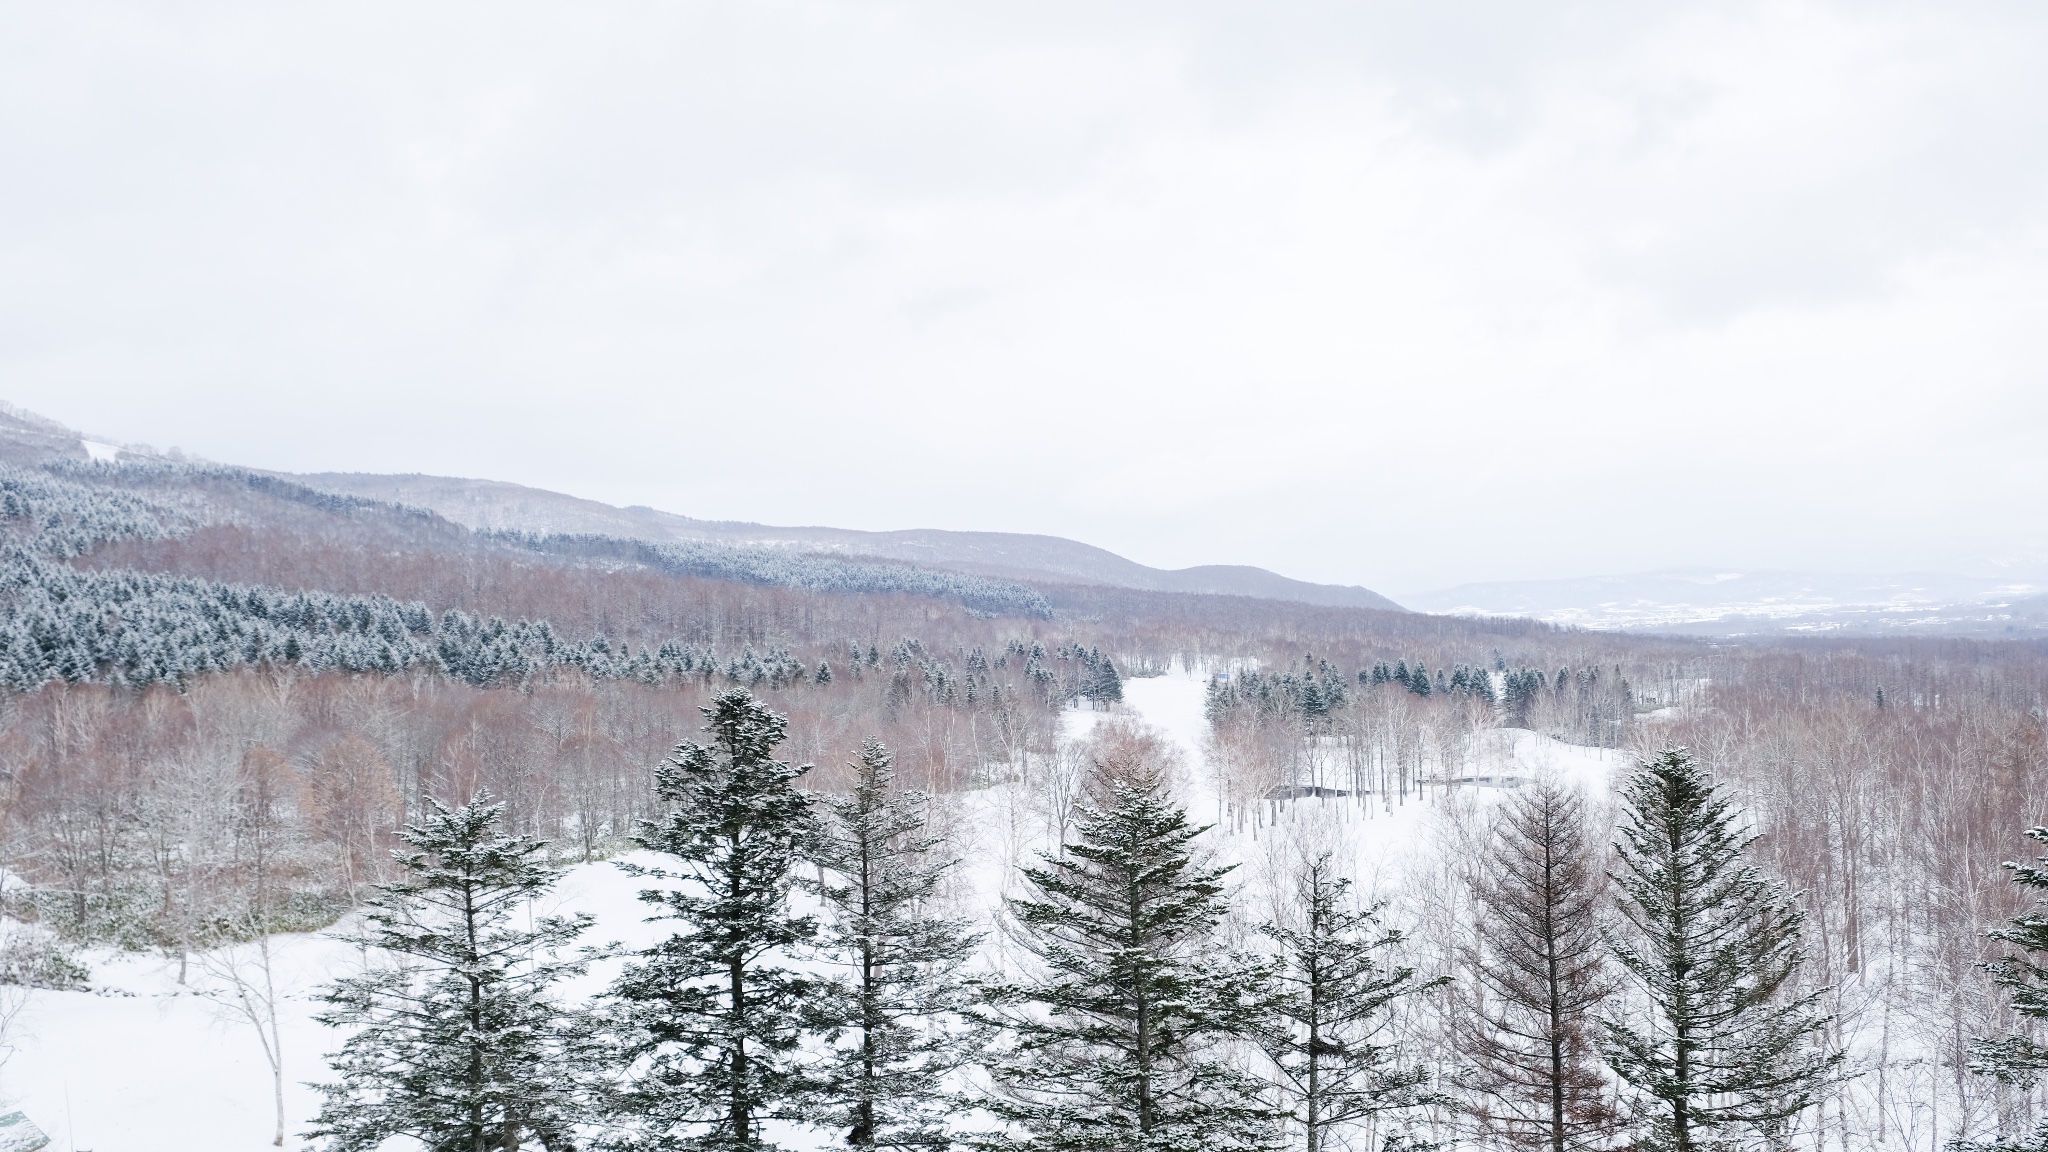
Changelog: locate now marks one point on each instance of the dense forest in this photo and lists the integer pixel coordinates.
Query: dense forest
(226, 698)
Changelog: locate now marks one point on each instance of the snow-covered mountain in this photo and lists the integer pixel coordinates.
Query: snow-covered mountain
(1730, 603)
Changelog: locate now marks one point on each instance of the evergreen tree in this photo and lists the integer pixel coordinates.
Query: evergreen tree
(457, 1042)
(902, 1006)
(1725, 1046)
(1311, 699)
(712, 1016)
(1118, 1045)
(1538, 974)
(1329, 1031)
(1109, 687)
(1099, 680)
(2019, 1060)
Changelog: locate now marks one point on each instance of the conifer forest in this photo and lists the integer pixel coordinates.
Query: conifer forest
(916, 858)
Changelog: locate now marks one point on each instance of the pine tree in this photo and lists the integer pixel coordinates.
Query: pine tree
(457, 1043)
(1109, 687)
(1725, 1048)
(1099, 681)
(902, 1006)
(2019, 1060)
(1118, 1044)
(1329, 1033)
(1312, 697)
(1538, 975)
(712, 1016)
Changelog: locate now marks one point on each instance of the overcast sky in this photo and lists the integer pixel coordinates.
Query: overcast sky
(1402, 295)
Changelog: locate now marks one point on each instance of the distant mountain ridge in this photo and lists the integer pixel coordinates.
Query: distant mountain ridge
(493, 505)
(1705, 602)
(500, 506)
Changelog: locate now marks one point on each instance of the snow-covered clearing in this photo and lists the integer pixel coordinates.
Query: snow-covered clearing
(141, 1063)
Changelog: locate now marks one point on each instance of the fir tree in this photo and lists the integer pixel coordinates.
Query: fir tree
(1538, 974)
(1108, 687)
(457, 1043)
(901, 1007)
(2019, 1060)
(1118, 1043)
(1329, 1034)
(1312, 704)
(1725, 1048)
(712, 1017)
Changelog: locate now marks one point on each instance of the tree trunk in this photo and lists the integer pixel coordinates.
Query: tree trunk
(740, 1115)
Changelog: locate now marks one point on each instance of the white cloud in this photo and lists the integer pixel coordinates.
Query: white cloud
(1394, 294)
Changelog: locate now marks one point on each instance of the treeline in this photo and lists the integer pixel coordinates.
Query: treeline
(121, 626)
(116, 801)
(137, 629)
(68, 509)
(756, 564)
(1663, 1008)
(1602, 700)
(1377, 736)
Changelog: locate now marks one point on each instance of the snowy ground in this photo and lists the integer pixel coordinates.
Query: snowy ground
(141, 1063)
(1380, 833)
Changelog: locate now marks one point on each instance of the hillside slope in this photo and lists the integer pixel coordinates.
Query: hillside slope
(494, 504)
(491, 505)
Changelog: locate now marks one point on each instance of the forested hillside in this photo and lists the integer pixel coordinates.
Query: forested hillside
(225, 694)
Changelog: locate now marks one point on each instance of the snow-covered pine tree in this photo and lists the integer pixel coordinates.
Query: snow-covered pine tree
(901, 1009)
(1537, 976)
(1106, 687)
(1724, 1045)
(1330, 1029)
(1311, 699)
(2019, 1060)
(457, 1040)
(1118, 1043)
(711, 1018)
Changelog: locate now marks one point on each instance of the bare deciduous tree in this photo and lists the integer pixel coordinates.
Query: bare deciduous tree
(1536, 971)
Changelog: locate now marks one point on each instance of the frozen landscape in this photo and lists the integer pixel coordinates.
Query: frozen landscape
(142, 1062)
(1400, 577)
